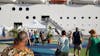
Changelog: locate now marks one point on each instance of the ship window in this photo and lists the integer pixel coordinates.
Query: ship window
(13, 9)
(27, 17)
(34, 17)
(60, 17)
(74, 17)
(27, 9)
(67, 17)
(0, 8)
(20, 9)
(17, 24)
(89, 17)
(82, 17)
(45, 17)
(96, 17)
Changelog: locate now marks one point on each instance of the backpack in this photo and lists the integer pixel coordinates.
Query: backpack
(77, 38)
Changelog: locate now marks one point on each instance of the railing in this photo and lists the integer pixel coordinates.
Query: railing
(55, 24)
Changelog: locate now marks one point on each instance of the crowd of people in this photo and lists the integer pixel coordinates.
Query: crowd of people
(93, 47)
(76, 38)
(36, 37)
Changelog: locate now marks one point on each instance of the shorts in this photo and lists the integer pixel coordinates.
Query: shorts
(32, 40)
(76, 46)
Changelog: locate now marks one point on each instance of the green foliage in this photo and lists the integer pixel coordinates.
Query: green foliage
(14, 32)
(49, 35)
(50, 27)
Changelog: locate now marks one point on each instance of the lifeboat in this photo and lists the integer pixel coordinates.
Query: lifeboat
(58, 1)
(82, 1)
(33, 1)
(7, 1)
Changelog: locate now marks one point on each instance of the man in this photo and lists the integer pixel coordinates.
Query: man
(77, 41)
(20, 46)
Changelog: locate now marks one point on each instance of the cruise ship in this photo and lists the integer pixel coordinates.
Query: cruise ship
(60, 14)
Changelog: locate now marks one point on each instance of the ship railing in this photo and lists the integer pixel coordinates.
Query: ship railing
(55, 24)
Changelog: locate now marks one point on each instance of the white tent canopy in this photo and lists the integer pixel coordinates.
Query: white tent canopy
(83, 1)
(7, 1)
(34, 24)
(34, 1)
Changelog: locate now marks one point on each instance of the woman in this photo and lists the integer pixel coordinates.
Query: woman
(36, 36)
(43, 38)
(63, 44)
(92, 44)
(19, 48)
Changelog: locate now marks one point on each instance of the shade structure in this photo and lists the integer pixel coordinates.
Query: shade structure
(35, 24)
(82, 1)
(33, 1)
(8, 1)
(58, 1)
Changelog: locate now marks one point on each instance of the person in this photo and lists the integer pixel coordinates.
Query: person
(36, 36)
(92, 44)
(3, 32)
(77, 41)
(70, 37)
(19, 48)
(63, 45)
(32, 37)
(29, 38)
(43, 38)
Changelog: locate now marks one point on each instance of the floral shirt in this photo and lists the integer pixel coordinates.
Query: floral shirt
(10, 51)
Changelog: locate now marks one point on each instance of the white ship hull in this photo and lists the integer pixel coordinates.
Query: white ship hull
(85, 17)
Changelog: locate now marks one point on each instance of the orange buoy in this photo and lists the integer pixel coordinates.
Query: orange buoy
(58, 1)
